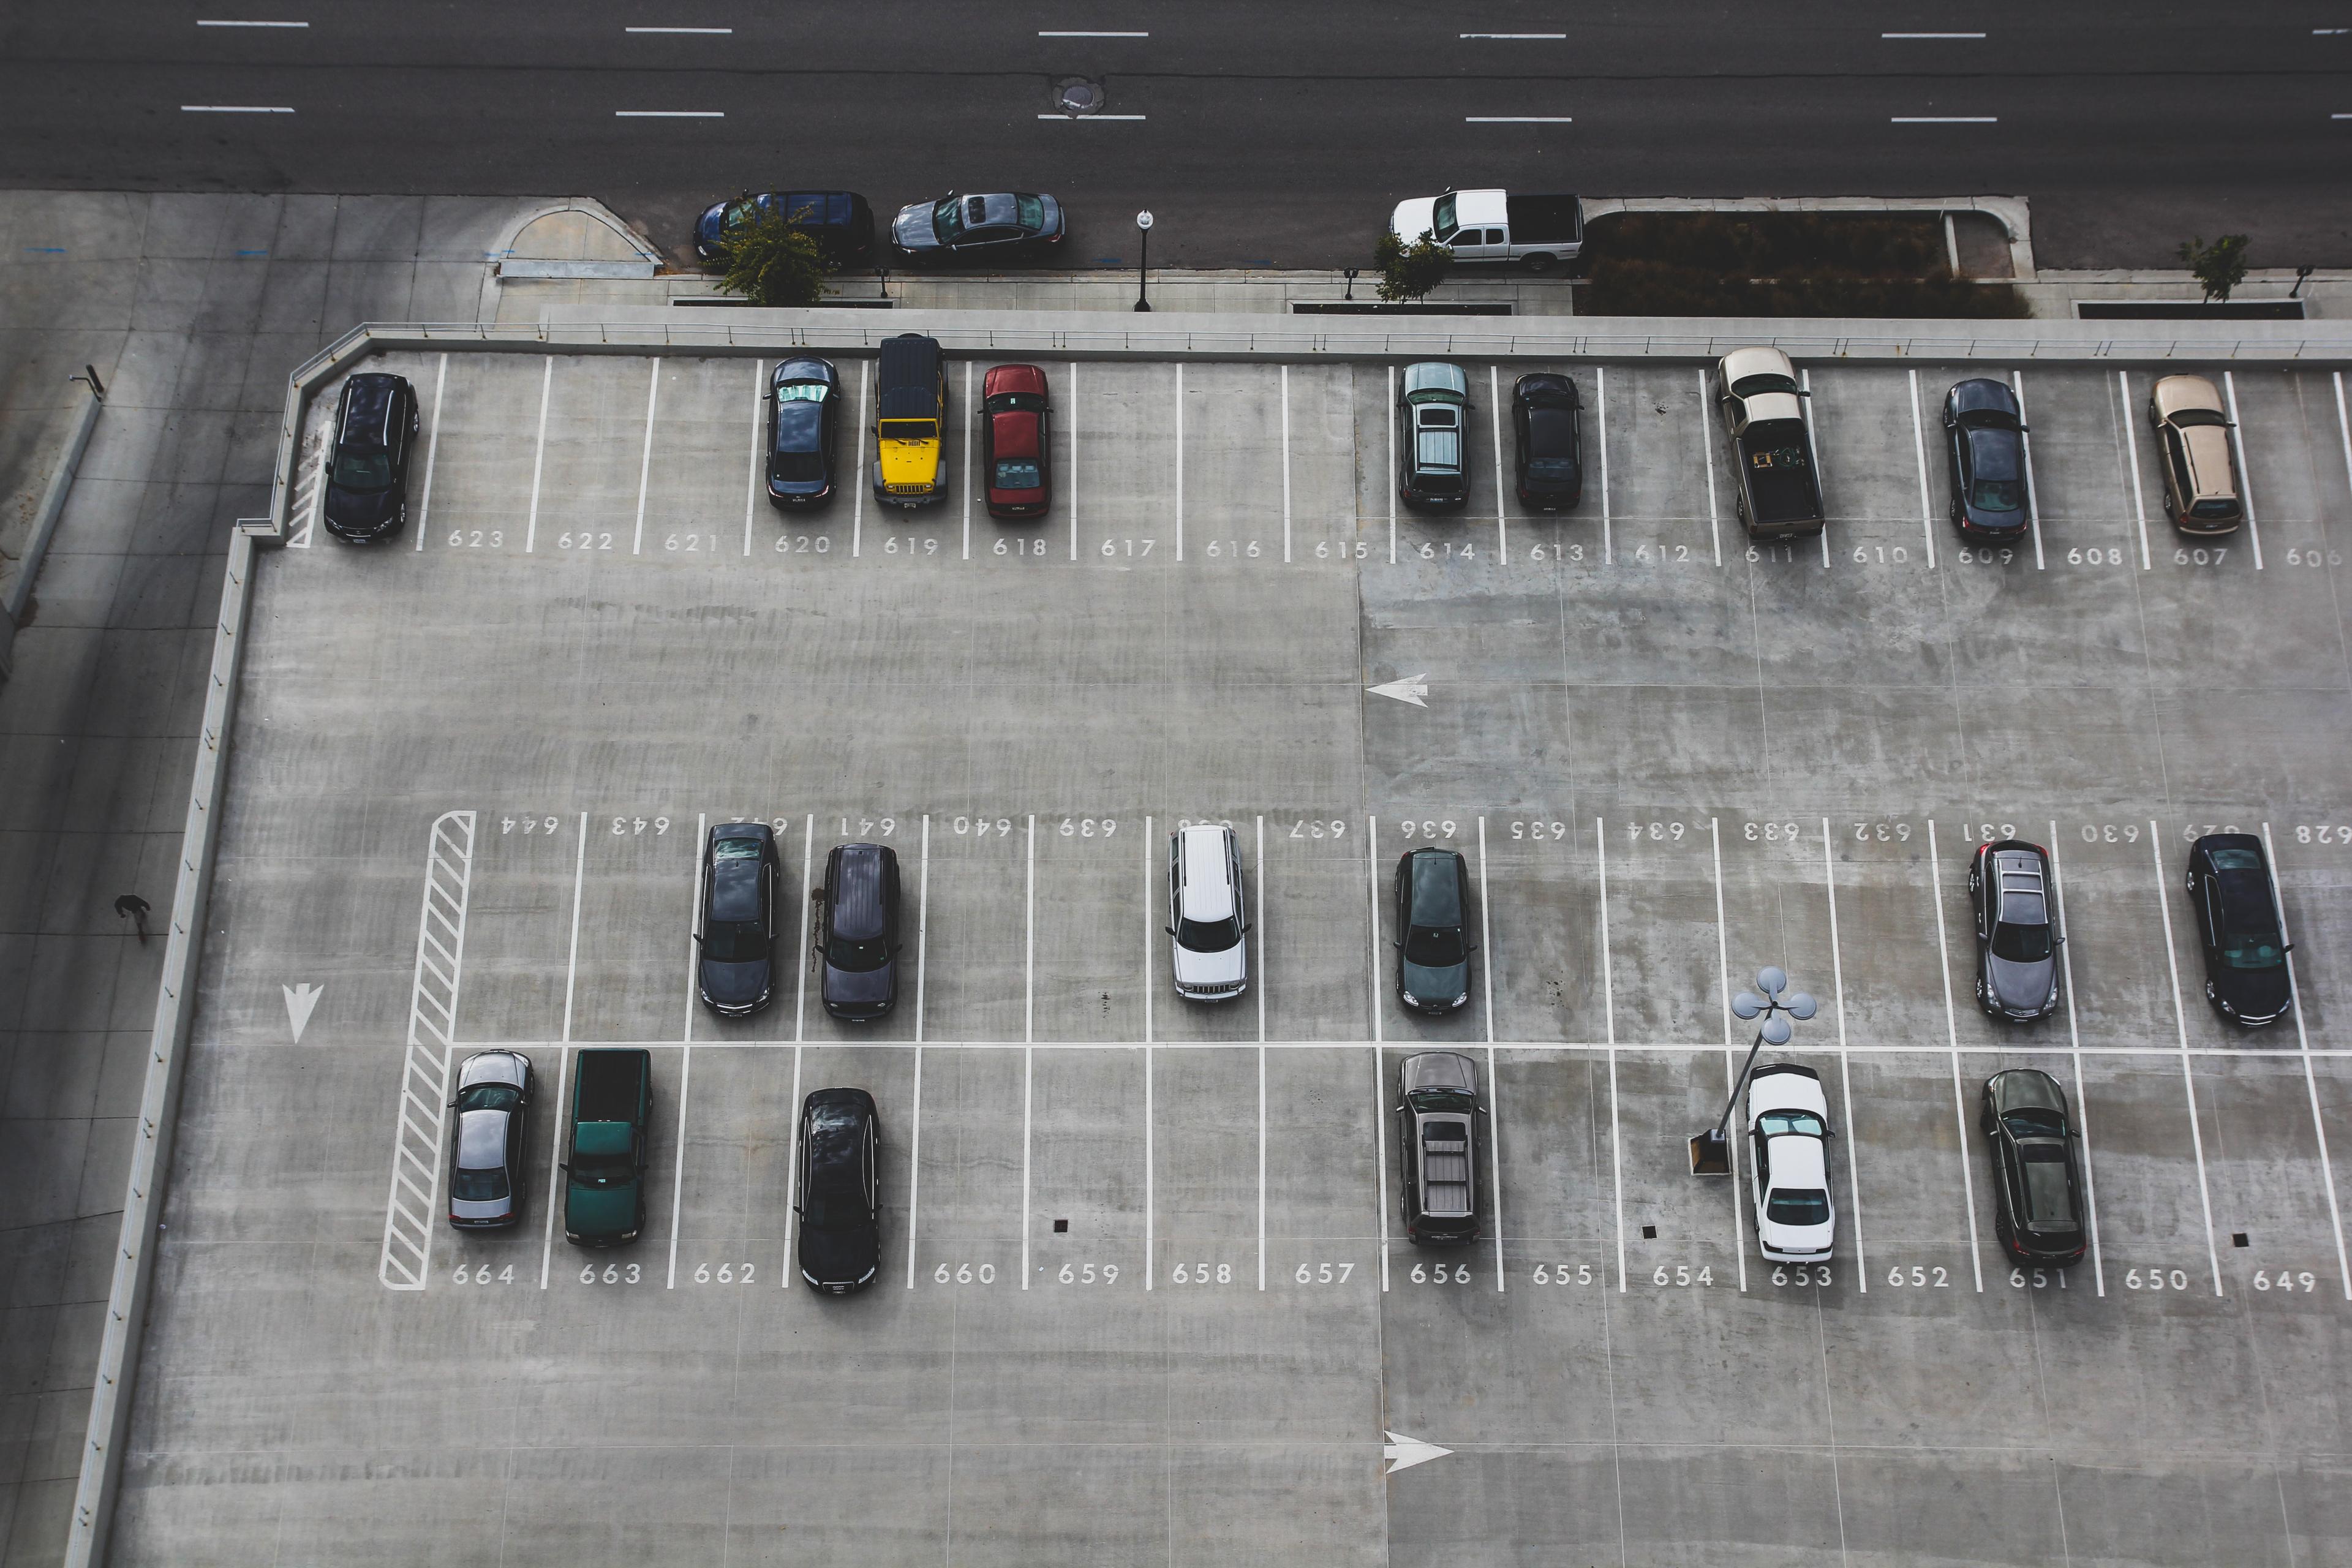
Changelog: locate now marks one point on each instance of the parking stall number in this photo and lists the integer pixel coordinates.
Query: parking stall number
(1682, 1274)
(2038, 1279)
(726, 1274)
(870, 826)
(1552, 832)
(1772, 553)
(1428, 828)
(1986, 832)
(803, 544)
(1657, 832)
(892, 544)
(1326, 551)
(1773, 833)
(1441, 1274)
(1803, 1274)
(1088, 827)
(2156, 1279)
(1553, 552)
(1983, 555)
(1322, 1273)
(692, 543)
(1449, 550)
(1201, 1274)
(612, 1274)
(463, 1275)
(1560, 1274)
(2321, 833)
(633, 826)
(1234, 550)
(584, 541)
(1334, 828)
(964, 1274)
(2200, 556)
(2314, 557)
(2095, 556)
(981, 826)
(528, 824)
(2305, 1281)
(1882, 832)
(2192, 832)
(1921, 1277)
(1088, 1274)
(1880, 555)
(1126, 548)
(1664, 554)
(1023, 545)
(2110, 833)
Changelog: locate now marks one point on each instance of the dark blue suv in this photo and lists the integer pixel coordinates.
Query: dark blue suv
(367, 470)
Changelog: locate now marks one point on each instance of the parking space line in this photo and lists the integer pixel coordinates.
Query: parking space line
(1920, 448)
(2180, 1022)
(1150, 1203)
(686, 1034)
(1286, 465)
(1952, 1033)
(792, 1173)
(431, 1047)
(1730, 1073)
(1495, 428)
(923, 974)
(758, 442)
(554, 1162)
(1601, 398)
(1388, 482)
(2245, 478)
(1380, 1089)
(572, 961)
(1813, 449)
(1845, 1066)
(2074, 1044)
(2033, 493)
(433, 444)
(1706, 462)
(1028, 1041)
(645, 463)
(2303, 1041)
(1609, 1011)
(1072, 485)
(2131, 459)
(2343, 432)
(801, 957)
(970, 439)
(539, 456)
(1493, 1079)
(1180, 460)
(858, 487)
(1262, 968)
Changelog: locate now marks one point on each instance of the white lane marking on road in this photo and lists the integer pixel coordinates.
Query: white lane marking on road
(759, 446)
(1814, 451)
(1380, 1095)
(2181, 1025)
(1087, 33)
(1609, 1012)
(555, 1163)
(857, 491)
(1730, 1072)
(1516, 36)
(1261, 1052)
(226, 24)
(431, 447)
(712, 32)
(2245, 477)
(1403, 1453)
(1495, 428)
(1090, 116)
(1919, 449)
(800, 994)
(1389, 418)
(1494, 1076)
(1286, 465)
(1517, 119)
(670, 114)
(922, 974)
(685, 1031)
(791, 1171)
(539, 453)
(1149, 1197)
(2131, 455)
(1945, 119)
(1845, 1066)
(1952, 1034)
(1931, 35)
(1071, 484)
(1413, 689)
(2032, 491)
(405, 1262)
(1601, 398)
(1028, 1038)
(1180, 459)
(2310, 1084)
(645, 462)
(302, 1000)
(571, 954)
(1706, 461)
(235, 109)
(970, 436)
(2074, 1045)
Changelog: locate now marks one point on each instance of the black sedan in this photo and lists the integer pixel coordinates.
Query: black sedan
(2037, 1179)
(742, 874)
(840, 1204)
(803, 431)
(367, 473)
(488, 1155)
(1547, 422)
(1984, 448)
(2237, 914)
(1010, 226)
(2016, 930)
(1433, 910)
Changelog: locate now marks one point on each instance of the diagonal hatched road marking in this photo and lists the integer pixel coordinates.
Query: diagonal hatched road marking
(415, 1195)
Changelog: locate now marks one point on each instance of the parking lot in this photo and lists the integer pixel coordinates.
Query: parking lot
(1143, 1293)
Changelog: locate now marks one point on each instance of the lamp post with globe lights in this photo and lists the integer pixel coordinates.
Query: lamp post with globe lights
(1143, 227)
(1775, 1004)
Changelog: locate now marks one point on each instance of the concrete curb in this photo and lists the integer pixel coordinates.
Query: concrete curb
(43, 525)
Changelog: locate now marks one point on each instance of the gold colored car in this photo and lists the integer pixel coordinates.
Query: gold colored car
(910, 466)
(2192, 446)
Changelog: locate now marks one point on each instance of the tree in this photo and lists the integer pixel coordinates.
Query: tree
(1410, 271)
(770, 262)
(2220, 267)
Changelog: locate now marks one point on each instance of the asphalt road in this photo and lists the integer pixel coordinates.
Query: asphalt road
(1269, 134)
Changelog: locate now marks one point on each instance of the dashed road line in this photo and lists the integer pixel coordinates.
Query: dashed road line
(2180, 1022)
(405, 1262)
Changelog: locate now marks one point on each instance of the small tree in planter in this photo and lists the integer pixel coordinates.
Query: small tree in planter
(1410, 271)
(2220, 267)
(770, 262)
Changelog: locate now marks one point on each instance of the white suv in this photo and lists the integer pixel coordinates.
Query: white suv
(1788, 1134)
(1205, 903)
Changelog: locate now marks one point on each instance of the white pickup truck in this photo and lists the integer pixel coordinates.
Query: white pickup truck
(1495, 226)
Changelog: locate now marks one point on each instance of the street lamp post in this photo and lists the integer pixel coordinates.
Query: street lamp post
(1710, 1152)
(1143, 226)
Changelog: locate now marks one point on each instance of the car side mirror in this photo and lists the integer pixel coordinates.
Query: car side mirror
(696, 936)
(1170, 930)
(563, 1165)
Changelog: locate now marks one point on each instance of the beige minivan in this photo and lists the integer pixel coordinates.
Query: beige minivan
(2192, 446)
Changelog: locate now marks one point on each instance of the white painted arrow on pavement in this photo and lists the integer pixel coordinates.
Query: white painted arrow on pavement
(1403, 1453)
(300, 999)
(1412, 690)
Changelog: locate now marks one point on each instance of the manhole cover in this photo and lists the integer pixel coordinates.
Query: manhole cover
(1079, 96)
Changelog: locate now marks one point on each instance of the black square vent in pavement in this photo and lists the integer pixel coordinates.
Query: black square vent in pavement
(1649, 1233)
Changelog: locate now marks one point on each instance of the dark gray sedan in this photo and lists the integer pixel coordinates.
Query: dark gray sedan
(1433, 913)
(742, 874)
(803, 431)
(2016, 930)
(1008, 226)
(487, 1156)
(2037, 1182)
(1984, 441)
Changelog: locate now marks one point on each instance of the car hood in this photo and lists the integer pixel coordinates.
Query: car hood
(2254, 993)
(839, 1257)
(1439, 984)
(600, 1211)
(1212, 968)
(360, 509)
(912, 228)
(736, 984)
(2019, 987)
(1412, 218)
(859, 987)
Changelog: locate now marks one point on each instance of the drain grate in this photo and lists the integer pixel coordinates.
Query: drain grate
(1077, 95)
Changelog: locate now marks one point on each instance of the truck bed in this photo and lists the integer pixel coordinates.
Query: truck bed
(611, 1085)
(1545, 220)
(1776, 467)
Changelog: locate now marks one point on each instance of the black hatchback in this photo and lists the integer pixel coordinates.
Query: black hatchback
(1547, 423)
(2237, 913)
(1984, 450)
(2037, 1179)
(1433, 899)
(857, 931)
(840, 1176)
(803, 431)
(367, 472)
(743, 873)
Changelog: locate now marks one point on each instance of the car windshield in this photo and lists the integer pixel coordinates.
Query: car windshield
(1997, 495)
(363, 470)
(908, 430)
(1803, 1123)
(1443, 1100)
(1440, 219)
(2034, 1122)
(477, 1186)
(858, 957)
(947, 217)
(803, 392)
(1797, 1206)
(1033, 213)
(489, 1096)
(2049, 1195)
(1208, 936)
(734, 941)
(2020, 944)
(1018, 474)
(1433, 947)
(2188, 416)
(1016, 402)
(1757, 385)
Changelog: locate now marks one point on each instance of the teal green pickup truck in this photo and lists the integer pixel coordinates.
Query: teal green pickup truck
(604, 1171)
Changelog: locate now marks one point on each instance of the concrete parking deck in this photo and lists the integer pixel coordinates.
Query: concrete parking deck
(1144, 1296)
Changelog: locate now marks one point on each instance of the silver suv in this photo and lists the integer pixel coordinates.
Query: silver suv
(1205, 904)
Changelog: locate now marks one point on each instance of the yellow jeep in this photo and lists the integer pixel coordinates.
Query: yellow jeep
(910, 466)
